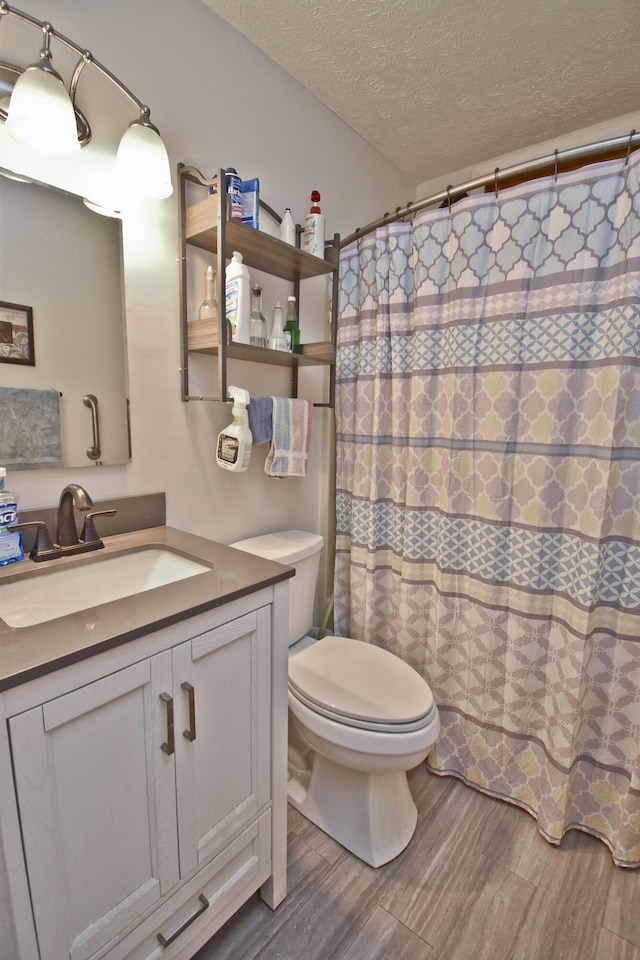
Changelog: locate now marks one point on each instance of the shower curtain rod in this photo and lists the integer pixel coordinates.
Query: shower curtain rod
(585, 152)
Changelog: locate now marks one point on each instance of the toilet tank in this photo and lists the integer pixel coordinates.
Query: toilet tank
(299, 549)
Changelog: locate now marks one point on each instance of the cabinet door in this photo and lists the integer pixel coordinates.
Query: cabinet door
(96, 796)
(223, 774)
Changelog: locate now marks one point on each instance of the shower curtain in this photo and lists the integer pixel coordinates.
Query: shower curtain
(488, 486)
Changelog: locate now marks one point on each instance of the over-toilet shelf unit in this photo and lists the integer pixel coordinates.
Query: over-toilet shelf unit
(206, 224)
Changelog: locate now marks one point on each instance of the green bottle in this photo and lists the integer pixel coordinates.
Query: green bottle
(291, 328)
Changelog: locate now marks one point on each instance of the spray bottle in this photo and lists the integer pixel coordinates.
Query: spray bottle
(234, 442)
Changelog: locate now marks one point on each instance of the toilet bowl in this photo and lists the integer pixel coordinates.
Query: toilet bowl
(359, 719)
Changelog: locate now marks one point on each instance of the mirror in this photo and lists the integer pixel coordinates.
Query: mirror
(62, 331)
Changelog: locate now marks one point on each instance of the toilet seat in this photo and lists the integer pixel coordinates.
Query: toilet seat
(361, 685)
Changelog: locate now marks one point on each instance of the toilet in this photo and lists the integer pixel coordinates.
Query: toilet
(359, 719)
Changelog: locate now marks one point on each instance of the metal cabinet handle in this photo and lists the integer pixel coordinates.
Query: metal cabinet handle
(90, 400)
(190, 734)
(166, 941)
(170, 745)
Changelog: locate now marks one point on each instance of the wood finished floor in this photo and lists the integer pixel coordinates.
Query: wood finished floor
(477, 882)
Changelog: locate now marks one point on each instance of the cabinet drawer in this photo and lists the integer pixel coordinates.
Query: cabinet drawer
(194, 913)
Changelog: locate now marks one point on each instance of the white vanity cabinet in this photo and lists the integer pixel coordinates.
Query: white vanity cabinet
(144, 794)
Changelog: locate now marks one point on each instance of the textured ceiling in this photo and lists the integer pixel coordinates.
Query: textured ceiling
(439, 85)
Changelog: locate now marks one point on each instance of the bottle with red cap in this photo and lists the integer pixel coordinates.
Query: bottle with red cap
(313, 236)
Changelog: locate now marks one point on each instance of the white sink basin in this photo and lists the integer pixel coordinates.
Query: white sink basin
(58, 592)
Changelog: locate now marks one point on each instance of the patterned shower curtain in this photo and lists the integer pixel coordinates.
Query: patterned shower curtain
(488, 486)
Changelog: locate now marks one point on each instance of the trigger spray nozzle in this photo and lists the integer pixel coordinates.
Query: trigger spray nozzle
(240, 397)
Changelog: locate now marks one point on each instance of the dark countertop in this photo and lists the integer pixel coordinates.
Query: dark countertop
(32, 651)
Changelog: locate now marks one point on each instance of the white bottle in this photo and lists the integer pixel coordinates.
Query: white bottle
(277, 340)
(10, 543)
(238, 299)
(288, 228)
(313, 237)
(234, 442)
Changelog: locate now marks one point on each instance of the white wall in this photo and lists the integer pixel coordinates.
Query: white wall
(217, 101)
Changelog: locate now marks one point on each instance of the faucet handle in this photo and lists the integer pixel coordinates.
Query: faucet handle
(42, 543)
(89, 533)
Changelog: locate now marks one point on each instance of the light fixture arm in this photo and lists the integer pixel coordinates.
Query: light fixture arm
(47, 32)
(86, 56)
(45, 50)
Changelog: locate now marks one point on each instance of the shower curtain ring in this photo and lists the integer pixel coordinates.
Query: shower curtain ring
(631, 136)
(555, 165)
(495, 179)
(449, 197)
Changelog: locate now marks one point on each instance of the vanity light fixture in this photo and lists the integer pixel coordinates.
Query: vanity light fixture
(42, 115)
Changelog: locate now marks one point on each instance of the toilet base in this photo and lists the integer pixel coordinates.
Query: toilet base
(370, 814)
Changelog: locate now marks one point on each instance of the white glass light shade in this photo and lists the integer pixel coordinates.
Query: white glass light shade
(142, 164)
(41, 115)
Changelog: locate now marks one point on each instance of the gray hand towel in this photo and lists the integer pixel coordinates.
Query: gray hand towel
(260, 414)
(29, 429)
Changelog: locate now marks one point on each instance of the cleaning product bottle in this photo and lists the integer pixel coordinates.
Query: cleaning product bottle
(209, 308)
(10, 543)
(234, 442)
(238, 305)
(291, 328)
(288, 228)
(313, 237)
(277, 340)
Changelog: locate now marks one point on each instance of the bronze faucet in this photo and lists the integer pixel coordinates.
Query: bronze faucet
(72, 495)
(67, 541)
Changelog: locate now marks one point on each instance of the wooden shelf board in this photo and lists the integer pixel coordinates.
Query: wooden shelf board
(258, 249)
(242, 351)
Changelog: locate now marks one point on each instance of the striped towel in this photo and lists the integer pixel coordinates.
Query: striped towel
(289, 452)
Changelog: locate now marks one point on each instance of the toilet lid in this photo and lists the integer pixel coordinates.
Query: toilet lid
(353, 679)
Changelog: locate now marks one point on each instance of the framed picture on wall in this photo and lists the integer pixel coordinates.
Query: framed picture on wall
(16, 334)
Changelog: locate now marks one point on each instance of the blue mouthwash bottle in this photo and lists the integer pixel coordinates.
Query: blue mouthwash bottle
(10, 543)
